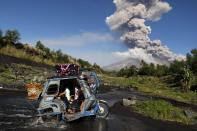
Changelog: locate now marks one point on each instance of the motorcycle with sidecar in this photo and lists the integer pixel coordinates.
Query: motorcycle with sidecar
(51, 105)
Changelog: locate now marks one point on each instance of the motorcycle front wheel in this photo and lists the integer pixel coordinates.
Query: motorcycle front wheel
(103, 109)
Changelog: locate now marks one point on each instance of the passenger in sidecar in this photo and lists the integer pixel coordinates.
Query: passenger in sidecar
(70, 98)
(68, 89)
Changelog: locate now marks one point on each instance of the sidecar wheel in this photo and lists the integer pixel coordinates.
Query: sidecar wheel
(103, 110)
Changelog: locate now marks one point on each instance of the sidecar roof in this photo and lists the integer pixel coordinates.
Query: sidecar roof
(62, 78)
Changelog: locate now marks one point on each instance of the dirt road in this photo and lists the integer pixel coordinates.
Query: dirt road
(16, 113)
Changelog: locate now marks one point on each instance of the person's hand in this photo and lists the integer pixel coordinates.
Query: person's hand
(61, 94)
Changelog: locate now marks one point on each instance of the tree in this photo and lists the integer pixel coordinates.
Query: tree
(65, 58)
(146, 69)
(45, 51)
(48, 51)
(1, 34)
(161, 70)
(96, 66)
(121, 72)
(39, 45)
(2, 43)
(1, 38)
(192, 60)
(175, 70)
(176, 67)
(59, 56)
(12, 36)
(84, 64)
(132, 70)
(128, 71)
(186, 77)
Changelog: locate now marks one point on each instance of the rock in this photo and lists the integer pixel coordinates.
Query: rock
(129, 101)
(188, 113)
(35, 78)
(131, 89)
(45, 73)
(133, 97)
(194, 122)
(41, 78)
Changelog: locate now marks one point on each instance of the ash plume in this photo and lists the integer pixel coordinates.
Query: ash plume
(129, 20)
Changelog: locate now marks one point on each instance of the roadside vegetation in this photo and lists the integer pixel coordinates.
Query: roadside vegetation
(10, 45)
(152, 86)
(162, 110)
(21, 74)
(177, 81)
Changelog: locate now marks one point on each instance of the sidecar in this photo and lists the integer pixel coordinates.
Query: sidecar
(51, 105)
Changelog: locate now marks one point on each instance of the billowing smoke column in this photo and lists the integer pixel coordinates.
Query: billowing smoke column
(129, 19)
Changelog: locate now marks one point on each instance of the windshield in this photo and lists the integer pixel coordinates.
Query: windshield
(52, 87)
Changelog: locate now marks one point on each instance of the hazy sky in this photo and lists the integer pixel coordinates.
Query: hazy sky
(78, 27)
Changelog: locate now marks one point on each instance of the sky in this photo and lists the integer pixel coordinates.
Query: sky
(78, 27)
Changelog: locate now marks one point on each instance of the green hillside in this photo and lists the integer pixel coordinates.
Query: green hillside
(24, 62)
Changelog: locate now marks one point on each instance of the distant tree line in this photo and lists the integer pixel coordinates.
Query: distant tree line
(182, 72)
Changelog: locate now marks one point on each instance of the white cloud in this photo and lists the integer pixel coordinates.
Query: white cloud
(79, 39)
(99, 57)
(91, 46)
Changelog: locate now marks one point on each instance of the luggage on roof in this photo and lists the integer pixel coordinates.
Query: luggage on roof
(67, 69)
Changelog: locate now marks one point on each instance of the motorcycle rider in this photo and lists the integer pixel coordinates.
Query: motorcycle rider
(88, 95)
(92, 85)
(78, 99)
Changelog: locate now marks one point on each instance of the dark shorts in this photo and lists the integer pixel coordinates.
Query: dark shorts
(76, 104)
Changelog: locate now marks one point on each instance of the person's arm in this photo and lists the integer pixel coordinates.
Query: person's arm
(61, 94)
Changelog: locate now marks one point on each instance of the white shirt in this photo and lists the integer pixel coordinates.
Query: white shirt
(67, 93)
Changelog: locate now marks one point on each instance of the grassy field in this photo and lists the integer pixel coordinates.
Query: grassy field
(153, 86)
(159, 109)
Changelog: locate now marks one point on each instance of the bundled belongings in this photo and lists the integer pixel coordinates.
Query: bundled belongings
(67, 69)
(33, 90)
